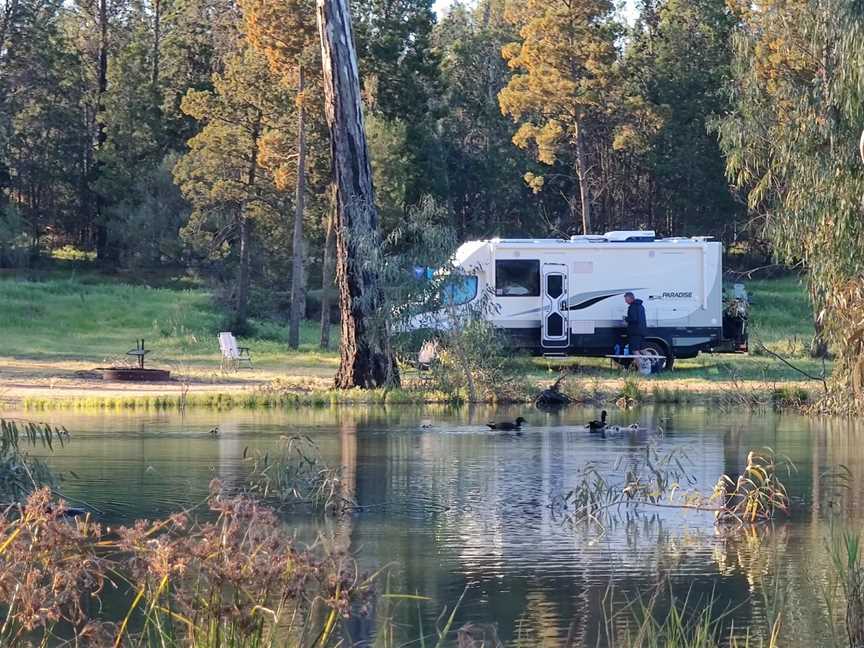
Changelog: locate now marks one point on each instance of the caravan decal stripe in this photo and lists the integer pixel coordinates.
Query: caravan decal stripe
(592, 298)
(590, 302)
(527, 312)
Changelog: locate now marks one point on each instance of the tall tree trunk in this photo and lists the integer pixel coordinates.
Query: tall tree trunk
(366, 357)
(102, 251)
(298, 278)
(582, 174)
(243, 275)
(327, 279)
(157, 44)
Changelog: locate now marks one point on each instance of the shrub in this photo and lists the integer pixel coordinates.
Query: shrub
(238, 580)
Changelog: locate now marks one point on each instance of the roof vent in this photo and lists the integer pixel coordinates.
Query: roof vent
(635, 236)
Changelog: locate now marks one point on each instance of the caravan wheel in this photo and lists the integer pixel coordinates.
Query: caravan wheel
(656, 348)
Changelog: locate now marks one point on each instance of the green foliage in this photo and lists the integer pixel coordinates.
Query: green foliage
(400, 77)
(679, 58)
(13, 242)
(485, 190)
(790, 144)
(474, 359)
(146, 223)
(388, 141)
(21, 473)
(42, 130)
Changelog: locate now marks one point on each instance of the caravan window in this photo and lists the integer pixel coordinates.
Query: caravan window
(460, 291)
(517, 278)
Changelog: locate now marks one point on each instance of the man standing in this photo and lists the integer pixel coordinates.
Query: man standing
(636, 323)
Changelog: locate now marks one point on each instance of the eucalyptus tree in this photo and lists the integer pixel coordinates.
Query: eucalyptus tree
(366, 357)
(790, 143)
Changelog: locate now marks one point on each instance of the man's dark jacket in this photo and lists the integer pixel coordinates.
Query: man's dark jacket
(636, 323)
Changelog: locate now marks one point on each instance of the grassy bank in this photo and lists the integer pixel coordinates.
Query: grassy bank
(55, 329)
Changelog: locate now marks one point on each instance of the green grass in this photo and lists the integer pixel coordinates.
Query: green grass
(257, 399)
(781, 315)
(75, 319)
(54, 323)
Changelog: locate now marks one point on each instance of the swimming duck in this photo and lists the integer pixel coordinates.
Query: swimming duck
(596, 426)
(507, 425)
(214, 431)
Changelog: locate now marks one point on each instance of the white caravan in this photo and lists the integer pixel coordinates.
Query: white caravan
(557, 296)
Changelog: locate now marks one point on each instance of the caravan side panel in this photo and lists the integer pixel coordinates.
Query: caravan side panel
(679, 284)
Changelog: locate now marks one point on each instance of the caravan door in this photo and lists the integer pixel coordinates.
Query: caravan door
(555, 327)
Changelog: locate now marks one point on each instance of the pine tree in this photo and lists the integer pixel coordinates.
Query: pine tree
(222, 175)
(399, 74)
(285, 32)
(679, 57)
(563, 79)
(42, 123)
(486, 193)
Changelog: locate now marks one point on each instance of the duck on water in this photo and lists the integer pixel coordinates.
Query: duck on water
(597, 426)
(507, 425)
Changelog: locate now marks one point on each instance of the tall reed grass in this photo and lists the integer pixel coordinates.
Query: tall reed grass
(238, 580)
(20, 472)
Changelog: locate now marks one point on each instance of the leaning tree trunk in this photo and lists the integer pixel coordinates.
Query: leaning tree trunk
(298, 282)
(366, 357)
(327, 282)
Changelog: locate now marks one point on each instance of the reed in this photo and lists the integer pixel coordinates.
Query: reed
(260, 399)
(666, 621)
(655, 480)
(296, 475)
(20, 472)
(236, 581)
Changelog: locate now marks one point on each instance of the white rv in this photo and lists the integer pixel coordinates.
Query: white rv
(558, 296)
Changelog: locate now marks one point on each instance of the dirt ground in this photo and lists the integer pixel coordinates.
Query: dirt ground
(23, 379)
(62, 380)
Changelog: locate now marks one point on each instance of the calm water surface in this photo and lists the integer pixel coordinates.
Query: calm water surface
(457, 508)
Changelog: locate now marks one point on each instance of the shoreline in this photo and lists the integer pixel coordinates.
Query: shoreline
(35, 394)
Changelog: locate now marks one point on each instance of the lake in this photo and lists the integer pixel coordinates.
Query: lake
(454, 508)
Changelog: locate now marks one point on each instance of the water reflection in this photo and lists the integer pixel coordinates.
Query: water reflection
(455, 506)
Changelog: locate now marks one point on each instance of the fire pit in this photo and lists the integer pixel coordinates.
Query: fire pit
(136, 374)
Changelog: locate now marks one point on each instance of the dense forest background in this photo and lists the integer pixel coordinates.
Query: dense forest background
(149, 133)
